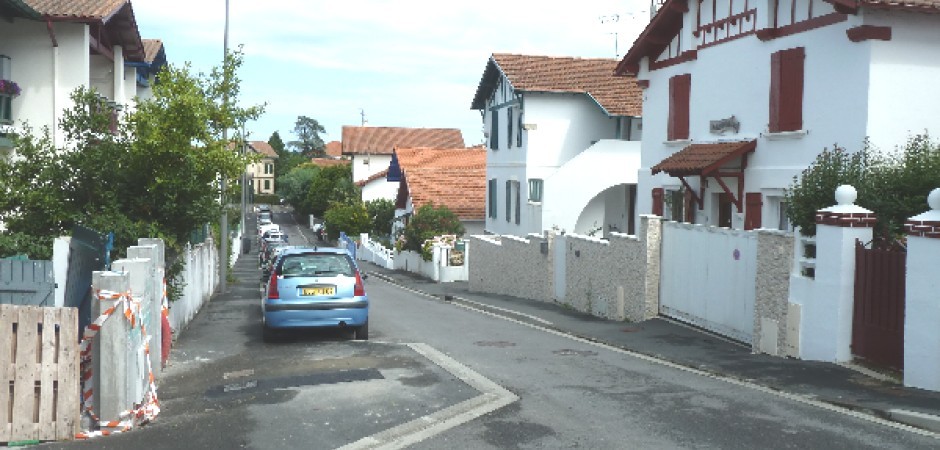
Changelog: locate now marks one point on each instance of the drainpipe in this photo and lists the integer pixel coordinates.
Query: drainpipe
(55, 82)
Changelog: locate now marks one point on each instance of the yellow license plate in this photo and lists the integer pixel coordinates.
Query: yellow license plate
(325, 290)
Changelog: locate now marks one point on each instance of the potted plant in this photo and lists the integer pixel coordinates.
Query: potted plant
(8, 90)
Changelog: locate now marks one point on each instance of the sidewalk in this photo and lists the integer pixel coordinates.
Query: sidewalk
(690, 347)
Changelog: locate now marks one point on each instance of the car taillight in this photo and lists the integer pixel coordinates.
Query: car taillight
(272, 286)
(360, 290)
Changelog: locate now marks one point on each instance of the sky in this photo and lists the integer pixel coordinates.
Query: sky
(403, 63)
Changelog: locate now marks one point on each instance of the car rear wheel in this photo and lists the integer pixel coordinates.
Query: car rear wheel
(362, 333)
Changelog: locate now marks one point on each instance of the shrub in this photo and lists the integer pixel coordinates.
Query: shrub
(382, 211)
(430, 221)
(349, 217)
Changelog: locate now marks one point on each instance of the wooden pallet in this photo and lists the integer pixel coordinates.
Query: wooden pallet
(39, 373)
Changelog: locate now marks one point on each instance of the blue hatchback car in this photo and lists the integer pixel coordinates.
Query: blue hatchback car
(312, 287)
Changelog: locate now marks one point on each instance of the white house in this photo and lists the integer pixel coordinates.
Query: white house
(262, 172)
(371, 148)
(71, 44)
(563, 144)
(741, 96)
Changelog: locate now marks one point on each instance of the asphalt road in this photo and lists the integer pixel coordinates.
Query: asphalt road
(438, 375)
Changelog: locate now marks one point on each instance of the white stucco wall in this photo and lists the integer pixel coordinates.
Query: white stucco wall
(560, 127)
(380, 188)
(609, 162)
(364, 166)
(838, 108)
(903, 97)
(34, 63)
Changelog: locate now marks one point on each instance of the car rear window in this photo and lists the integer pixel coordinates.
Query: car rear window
(316, 264)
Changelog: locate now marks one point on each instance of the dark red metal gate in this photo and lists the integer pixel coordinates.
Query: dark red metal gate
(878, 322)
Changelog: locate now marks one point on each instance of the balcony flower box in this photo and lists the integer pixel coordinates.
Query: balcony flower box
(8, 90)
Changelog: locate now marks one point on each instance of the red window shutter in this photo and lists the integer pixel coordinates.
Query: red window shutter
(752, 210)
(786, 90)
(658, 202)
(791, 94)
(687, 206)
(774, 123)
(680, 87)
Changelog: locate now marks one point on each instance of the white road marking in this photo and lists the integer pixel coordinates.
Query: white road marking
(492, 397)
(803, 399)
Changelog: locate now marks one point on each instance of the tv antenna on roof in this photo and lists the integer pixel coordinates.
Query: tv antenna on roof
(362, 114)
(612, 19)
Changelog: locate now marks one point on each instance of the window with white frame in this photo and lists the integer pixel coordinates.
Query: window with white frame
(777, 212)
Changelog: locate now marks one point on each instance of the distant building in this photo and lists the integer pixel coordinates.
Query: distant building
(563, 144)
(262, 172)
(370, 149)
(451, 177)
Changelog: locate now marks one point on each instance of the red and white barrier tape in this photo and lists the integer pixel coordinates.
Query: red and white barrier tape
(150, 405)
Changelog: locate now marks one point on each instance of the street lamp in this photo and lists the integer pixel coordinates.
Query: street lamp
(223, 221)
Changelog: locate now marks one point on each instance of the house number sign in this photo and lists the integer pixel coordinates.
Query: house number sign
(722, 126)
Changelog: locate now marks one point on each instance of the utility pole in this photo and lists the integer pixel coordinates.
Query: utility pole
(223, 221)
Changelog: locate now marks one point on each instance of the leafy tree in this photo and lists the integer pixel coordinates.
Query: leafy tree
(351, 217)
(286, 159)
(154, 173)
(382, 212)
(294, 186)
(430, 221)
(332, 184)
(276, 143)
(308, 142)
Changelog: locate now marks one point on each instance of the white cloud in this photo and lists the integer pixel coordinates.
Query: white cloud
(406, 62)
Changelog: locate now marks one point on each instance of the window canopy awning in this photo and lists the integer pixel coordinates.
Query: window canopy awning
(707, 160)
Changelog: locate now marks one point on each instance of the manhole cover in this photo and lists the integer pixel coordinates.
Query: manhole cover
(500, 344)
(570, 352)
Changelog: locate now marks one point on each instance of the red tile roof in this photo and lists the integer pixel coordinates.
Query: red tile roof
(122, 30)
(453, 177)
(77, 9)
(382, 140)
(702, 159)
(329, 162)
(334, 148)
(668, 20)
(151, 49)
(372, 178)
(262, 148)
(928, 6)
(619, 96)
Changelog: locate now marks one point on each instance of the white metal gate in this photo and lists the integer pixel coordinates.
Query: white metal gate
(708, 278)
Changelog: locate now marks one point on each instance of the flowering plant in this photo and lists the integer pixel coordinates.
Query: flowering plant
(10, 88)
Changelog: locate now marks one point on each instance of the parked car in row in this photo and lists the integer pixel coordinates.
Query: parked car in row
(314, 287)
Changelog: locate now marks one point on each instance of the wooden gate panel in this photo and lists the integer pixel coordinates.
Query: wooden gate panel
(878, 316)
(39, 359)
(27, 282)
